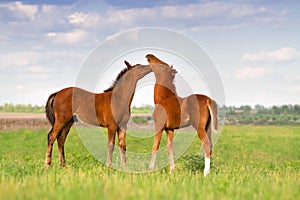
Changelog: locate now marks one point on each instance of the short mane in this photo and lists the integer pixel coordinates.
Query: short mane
(173, 72)
(172, 87)
(117, 79)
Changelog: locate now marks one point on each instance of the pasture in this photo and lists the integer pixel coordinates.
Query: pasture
(248, 162)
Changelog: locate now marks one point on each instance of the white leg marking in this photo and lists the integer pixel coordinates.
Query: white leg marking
(206, 166)
(152, 163)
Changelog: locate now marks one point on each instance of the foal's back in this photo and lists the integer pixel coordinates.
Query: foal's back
(78, 102)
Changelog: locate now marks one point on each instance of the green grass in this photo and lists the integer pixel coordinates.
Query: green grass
(260, 162)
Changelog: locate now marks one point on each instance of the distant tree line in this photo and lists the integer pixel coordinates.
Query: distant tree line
(260, 109)
(230, 110)
(236, 115)
(21, 108)
(262, 115)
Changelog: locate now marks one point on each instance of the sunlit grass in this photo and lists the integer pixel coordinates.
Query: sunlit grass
(248, 163)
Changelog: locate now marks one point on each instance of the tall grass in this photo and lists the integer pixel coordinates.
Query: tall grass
(248, 162)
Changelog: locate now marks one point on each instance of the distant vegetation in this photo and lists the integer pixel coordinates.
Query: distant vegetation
(246, 115)
(242, 115)
(261, 115)
(21, 108)
(146, 109)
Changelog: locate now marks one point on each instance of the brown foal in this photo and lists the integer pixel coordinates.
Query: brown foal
(110, 109)
(173, 112)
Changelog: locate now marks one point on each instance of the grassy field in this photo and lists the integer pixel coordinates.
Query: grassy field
(259, 162)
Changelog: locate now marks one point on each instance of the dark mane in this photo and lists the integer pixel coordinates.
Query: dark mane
(117, 79)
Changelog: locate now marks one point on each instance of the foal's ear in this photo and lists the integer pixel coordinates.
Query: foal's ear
(127, 64)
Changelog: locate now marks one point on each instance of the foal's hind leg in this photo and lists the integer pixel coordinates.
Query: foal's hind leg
(61, 142)
(52, 136)
(207, 146)
(208, 149)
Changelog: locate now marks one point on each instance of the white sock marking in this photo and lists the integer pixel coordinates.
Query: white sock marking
(206, 166)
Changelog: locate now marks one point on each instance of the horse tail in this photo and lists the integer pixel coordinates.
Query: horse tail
(213, 110)
(49, 109)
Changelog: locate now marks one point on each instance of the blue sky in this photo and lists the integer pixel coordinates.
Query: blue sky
(255, 44)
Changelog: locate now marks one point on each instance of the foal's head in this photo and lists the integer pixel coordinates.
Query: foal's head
(160, 68)
(138, 71)
(134, 72)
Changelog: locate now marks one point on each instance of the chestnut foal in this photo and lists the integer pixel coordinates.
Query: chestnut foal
(110, 109)
(173, 112)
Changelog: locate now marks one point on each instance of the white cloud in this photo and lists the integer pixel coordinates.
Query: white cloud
(247, 10)
(128, 16)
(33, 62)
(251, 73)
(86, 20)
(37, 69)
(20, 87)
(284, 54)
(201, 16)
(51, 9)
(21, 11)
(295, 89)
(55, 17)
(72, 24)
(293, 78)
(193, 10)
(18, 59)
(157, 15)
(72, 37)
(212, 9)
(215, 27)
(133, 36)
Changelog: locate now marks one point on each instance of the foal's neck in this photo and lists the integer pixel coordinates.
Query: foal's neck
(125, 89)
(164, 86)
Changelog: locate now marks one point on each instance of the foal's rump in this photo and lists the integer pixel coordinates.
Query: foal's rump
(202, 110)
(213, 109)
(49, 109)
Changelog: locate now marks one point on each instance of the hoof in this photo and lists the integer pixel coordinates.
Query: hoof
(172, 168)
(62, 163)
(124, 164)
(151, 166)
(47, 165)
(205, 173)
(108, 165)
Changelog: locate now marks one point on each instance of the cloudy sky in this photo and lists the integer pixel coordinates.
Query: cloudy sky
(255, 44)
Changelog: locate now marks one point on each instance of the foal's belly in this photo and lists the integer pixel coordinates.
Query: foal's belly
(90, 118)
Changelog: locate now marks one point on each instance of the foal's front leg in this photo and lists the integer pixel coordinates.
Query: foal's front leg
(122, 145)
(110, 146)
(160, 117)
(155, 147)
(170, 135)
